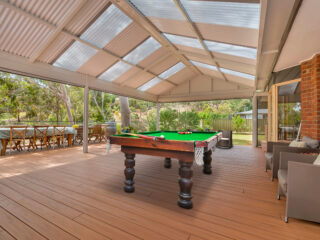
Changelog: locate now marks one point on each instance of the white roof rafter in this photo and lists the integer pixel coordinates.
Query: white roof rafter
(135, 15)
(198, 34)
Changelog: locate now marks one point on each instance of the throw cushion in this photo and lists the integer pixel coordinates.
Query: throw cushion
(311, 143)
(317, 161)
(298, 144)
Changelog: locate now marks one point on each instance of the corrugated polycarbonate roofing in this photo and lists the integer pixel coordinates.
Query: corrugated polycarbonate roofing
(186, 41)
(231, 49)
(115, 71)
(235, 14)
(106, 27)
(156, 8)
(200, 64)
(174, 69)
(142, 51)
(75, 56)
(238, 74)
(149, 84)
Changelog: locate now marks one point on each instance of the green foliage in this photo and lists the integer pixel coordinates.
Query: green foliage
(188, 120)
(152, 120)
(238, 123)
(168, 119)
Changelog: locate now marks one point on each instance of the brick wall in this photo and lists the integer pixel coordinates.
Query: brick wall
(310, 97)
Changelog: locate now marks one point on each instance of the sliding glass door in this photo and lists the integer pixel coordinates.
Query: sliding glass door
(284, 111)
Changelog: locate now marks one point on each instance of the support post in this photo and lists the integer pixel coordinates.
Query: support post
(254, 121)
(85, 117)
(158, 116)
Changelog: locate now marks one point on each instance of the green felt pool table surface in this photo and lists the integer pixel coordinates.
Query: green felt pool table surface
(174, 135)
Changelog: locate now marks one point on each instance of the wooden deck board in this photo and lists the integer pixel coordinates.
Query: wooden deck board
(80, 196)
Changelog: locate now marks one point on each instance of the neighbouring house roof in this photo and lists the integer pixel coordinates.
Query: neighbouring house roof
(161, 51)
(260, 111)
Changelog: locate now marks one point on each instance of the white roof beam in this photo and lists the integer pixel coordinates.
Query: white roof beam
(263, 14)
(207, 58)
(147, 68)
(198, 34)
(136, 16)
(20, 65)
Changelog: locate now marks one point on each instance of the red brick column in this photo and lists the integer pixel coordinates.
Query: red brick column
(310, 97)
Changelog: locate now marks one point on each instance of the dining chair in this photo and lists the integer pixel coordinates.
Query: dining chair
(58, 135)
(17, 135)
(40, 132)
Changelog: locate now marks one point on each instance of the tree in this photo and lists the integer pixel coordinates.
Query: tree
(125, 112)
(168, 119)
(238, 123)
(188, 120)
(152, 120)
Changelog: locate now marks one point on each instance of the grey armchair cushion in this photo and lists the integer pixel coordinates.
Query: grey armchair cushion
(311, 143)
(282, 178)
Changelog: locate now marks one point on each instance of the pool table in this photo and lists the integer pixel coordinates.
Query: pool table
(174, 145)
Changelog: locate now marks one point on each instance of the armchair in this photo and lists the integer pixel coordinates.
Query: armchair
(272, 160)
(299, 182)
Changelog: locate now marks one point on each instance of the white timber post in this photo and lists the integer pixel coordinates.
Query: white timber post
(85, 117)
(254, 121)
(158, 116)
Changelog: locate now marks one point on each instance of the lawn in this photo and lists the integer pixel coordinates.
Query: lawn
(244, 139)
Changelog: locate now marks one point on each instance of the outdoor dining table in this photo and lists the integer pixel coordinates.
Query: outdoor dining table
(5, 136)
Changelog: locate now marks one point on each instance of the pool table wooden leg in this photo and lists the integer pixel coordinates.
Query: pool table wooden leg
(207, 159)
(185, 182)
(167, 162)
(129, 172)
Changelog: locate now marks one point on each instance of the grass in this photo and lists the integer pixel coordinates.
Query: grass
(244, 139)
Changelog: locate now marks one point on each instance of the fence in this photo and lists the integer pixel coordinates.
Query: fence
(226, 124)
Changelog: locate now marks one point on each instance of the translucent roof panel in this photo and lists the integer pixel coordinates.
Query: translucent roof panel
(115, 71)
(142, 51)
(231, 49)
(106, 27)
(224, 13)
(75, 56)
(200, 64)
(156, 8)
(186, 41)
(174, 69)
(238, 74)
(149, 84)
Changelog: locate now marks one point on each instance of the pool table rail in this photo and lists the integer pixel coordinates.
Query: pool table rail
(185, 146)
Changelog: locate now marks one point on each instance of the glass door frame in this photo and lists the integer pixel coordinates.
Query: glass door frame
(273, 109)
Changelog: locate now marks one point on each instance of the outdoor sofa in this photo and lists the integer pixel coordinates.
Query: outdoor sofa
(273, 155)
(299, 181)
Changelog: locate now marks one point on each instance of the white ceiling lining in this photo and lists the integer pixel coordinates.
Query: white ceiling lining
(278, 20)
(304, 38)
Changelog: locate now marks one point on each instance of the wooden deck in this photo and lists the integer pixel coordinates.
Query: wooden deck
(65, 194)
